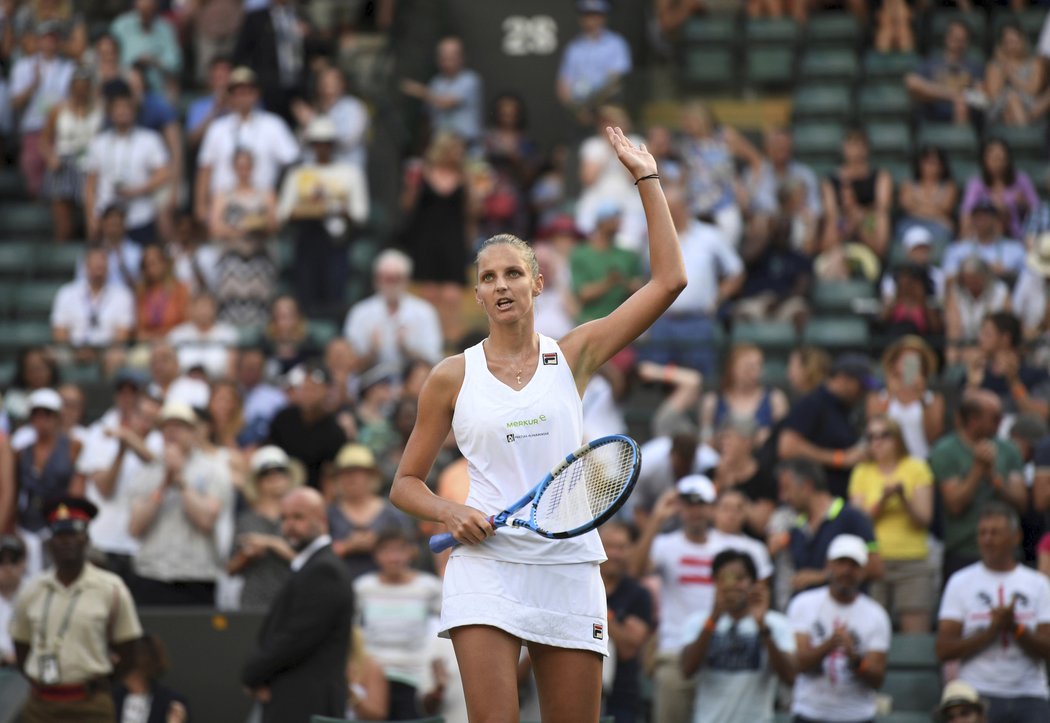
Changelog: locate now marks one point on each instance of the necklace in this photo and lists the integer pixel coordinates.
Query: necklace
(521, 367)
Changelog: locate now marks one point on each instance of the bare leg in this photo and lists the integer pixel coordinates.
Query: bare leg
(569, 683)
(488, 665)
(64, 223)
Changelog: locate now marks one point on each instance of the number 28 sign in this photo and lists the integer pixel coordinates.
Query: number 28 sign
(536, 35)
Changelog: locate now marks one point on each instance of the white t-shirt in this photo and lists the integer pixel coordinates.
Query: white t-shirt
(264, 134)
(128, 160)
(92, 319)
(1001, 669)
(758, 552)
(208, 349)
(601, 415)
(55, 76)
(396, 621)
(613, 184)
(736, 681)
(686, 585)
(836, 694)
(415, 320)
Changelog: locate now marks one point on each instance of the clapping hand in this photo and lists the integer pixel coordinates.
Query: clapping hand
(636, 159)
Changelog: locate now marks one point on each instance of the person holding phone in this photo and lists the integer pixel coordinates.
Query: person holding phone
(908, 365)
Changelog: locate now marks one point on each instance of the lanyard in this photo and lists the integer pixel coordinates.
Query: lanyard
(63, 627)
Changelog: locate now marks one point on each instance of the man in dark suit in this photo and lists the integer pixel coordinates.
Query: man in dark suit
(299, 669)
(272, 43)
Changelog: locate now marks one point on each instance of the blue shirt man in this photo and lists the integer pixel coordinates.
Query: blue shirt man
(594, 60)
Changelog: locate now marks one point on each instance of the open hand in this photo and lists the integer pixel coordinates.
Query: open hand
(636, 159)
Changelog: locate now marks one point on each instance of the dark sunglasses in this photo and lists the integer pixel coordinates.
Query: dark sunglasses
(872, 436)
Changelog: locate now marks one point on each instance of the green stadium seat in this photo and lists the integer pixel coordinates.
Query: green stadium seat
(774, 372)
(912, 651)
(821, 101)
(831, 297)
(881, 100)
(57, 260)
(248, 335)
(963, 170)
(33, 219)
(957, 141)
(889, 66)
(906, 717)
(285, 253)
(17, 259)
(771, 31)
(913, 690)
(81, 374)
(34, 299)
(1036, 167)
(941, 19)
(890, 139)
(1023, 140)
(710, 67)
(18, 334)
(837, 333)
(766, 334)
(835, 29)
(710, 30)
(322, 331)
(11, 184)
(7, 372)
(841, 65)
(8, 295)
(899, 169)
(818, 140)
(770, 67)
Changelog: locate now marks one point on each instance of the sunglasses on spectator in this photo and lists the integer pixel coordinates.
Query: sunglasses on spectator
(876, 435)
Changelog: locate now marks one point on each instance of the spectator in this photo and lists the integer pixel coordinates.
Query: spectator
(777, 169)
(972, 466)
(161, 299)
(65, 15)
(140, 691)
(910, 311)
(740, 470)
(104, 60)
(743, 396)
(64, 143)
(556, 307)
(1005, 256)
(246, 127)
(92, 639)
(908, 366)
(92, 313)
(603, 275)
(730, 515)
(326, 202)
(299, 668)
(739, 651)
(960, 703)
(821, 518)
(630, 624)
(167, 384)
(194, 257)
(1029, 299)
(35, 368)
(12, 575)
(38, 83)
(272, 43)
(369, 690)
(896, 491)
(435, 200)
(842, 637)
(857, 199)
(999, 366)
(261, 555)
(111, 178)
(149, 40)
(1000, 183)
(201, 341)
(453, 96)
(347, 113)
(215, 24)
(507, 140)
(204, 110)
(124, 256)
(975, 294)
(593, 63)
(818, 426)
(175, 505)
(261, 400)
(893, 29)
(682, 560)
(393, 326)
(286, 339)
(684, 334)
(710, 152)
(226, 410)
(808, 367)
(995, 620)
(917, 243)
(1015, 80)
(305, 429)
(395, 643)
(360, 512)
(929, 198)
(947, 85)
(668, 458)
(69, 420)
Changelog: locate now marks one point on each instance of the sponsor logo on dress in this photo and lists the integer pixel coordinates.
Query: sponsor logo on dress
(510, 438)
(550, 360)
(598, 631)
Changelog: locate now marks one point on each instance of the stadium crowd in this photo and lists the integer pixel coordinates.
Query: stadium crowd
(800, 506)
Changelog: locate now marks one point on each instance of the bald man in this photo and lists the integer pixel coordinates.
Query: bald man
(298, 669)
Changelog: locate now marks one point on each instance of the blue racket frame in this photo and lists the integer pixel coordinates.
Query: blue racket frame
(445, 540)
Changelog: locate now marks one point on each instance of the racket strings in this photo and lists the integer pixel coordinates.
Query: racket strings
(586, 488)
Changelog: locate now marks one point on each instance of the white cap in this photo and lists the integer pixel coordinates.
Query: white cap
(849, 547)
(45, 399)
(698, 486)
(269, 458)
(917, 236)
(320, 130)
(177, 412)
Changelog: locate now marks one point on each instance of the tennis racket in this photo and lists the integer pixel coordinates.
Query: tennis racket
(582, 491)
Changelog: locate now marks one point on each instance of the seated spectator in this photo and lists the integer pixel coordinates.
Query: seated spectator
(917, 243)
(929, 198)
(777, 169)
(193, 257)
(39, 81)
(842, 637)
(35, 368)
(393, 326)
(261, 400)
(822, 516)
(454, 96)
(710, 151)
(161, 300)
(893, 28)
(12, 573)
(630, 624)
(946, 85)
(603, 275)
(1015, 80)
(112, 179)
(668, 458)
(740, 627)
(663, 146)
(975, 294)
(818, 427)
(213, 26)
(960, 703)
(175, 505)
(260, 554)
(808, 367)
(394, 642)
(1029, 299)
(66, 16)
(972, 466)
(593, 63)
(1005, 256)
(124, 255)
(908, 367)
(69, 421)
(743, 396)
(104, 60)
(740, 470)
(371, 414)
(286, 340)
(857, 199)
(92, 312)
(167, 384)
(207, 108)
(360, 512)
(226, 416)
(347, 113)
(139, 690)
(201, 341)
(1001, 184)
(501, 206)
(149, 39)
(326, 203)
(896, 491)
(998, 365)
(910, 311)
(730, 516)
(64, 143)
(995, 620)
(507, 140)
(305, 429)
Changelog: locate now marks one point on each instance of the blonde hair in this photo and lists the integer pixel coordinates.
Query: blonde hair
(509, 239)
(440, 147)
(894, 429)
(735, 352)
(815, 365)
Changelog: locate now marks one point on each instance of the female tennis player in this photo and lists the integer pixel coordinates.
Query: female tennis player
(514, 403)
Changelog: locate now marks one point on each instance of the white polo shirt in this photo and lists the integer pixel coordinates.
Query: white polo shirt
(209, 349)
(264, 134)
(92, 319)
(708, 257)
(415, 320)
(129, 160)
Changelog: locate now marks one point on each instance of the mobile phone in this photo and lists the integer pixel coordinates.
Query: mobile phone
(911, 368)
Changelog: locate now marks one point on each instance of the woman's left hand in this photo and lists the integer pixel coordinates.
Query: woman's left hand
(636, 159)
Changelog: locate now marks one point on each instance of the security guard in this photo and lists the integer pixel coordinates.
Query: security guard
(65, 623)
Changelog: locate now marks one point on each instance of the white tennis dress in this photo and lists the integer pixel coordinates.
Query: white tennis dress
(540, 590)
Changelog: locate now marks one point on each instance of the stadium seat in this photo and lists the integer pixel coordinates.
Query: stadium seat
(899, 169)
(890, 139)
(913, 690)
(912, 652)
(771, 31)
(57, 260)
(889, 66)
(882, 100)
(1030, 19)
(837, 333)
(770, 67)
(81, 374)
(831, 297)
(35, 298)
(285, 253)
(774, 372)
(1036, 167)
(959, 142)
(818, 141)
(1023, 140)
(16, 259)
(821, 101)
(709, 67)
(17, 334)
(322, 331)
(836, 29)
(248, 335)
(32, 219)
(710, 30)
(840, 65)
(941, 19)
(964, 170)
(11, 184)
(906, 717)
(768, 335)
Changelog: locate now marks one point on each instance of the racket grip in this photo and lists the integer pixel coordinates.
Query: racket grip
(442, 542)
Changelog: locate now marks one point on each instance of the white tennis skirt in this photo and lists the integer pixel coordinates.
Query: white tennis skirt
(558, 605)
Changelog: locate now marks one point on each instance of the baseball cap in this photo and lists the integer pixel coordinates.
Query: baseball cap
(269, 458)
(857, 366)
(12, 545)
(241, 75)
(917, 236)
(45, 399)
(299, 374)
(130, 377)
(177, 412)
(985, 205)
(607, 209)
(593, 6)
(849, 547)
(697, 488)
(69, 514)
(320, 130)
(355, 456)
(959, 692)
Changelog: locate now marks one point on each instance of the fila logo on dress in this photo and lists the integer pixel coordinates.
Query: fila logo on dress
(550, 360)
